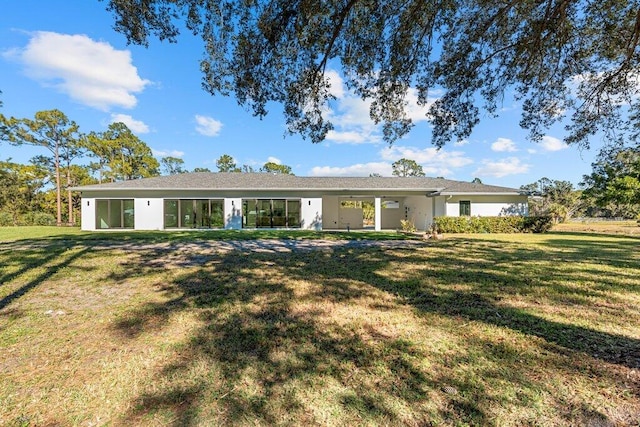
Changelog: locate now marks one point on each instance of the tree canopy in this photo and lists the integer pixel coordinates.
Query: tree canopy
(226, 163)
(53, 131)
(615, 180)
(561, 59)
(121, 155)
(272, 167)
(406, 167)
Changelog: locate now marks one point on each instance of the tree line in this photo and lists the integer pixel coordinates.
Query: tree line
(39, 192)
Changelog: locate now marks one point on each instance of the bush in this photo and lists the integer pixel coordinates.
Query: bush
(407, 225)
(43, 218)
(6, 219)
(493, 224)
(537, 224)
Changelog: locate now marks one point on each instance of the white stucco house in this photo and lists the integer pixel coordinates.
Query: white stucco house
(262, 200)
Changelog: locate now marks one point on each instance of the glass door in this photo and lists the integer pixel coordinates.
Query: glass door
(279, 213)
(264, 213)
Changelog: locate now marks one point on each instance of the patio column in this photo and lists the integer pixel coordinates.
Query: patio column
(378, 214)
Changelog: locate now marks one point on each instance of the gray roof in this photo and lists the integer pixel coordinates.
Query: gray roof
(268, 181)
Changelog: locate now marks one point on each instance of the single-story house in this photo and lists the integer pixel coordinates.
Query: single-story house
(263, 200)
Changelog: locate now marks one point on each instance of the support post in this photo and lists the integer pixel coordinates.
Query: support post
(378, 214)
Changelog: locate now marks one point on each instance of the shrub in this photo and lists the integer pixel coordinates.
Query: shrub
(43, 218)
(407, 225)
(493, 224)
(6, 219)
(537, 224)
(26, 218)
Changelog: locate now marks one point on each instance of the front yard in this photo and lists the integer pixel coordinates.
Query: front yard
(185, 329)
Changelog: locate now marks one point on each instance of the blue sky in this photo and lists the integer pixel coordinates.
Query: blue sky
(65, 55)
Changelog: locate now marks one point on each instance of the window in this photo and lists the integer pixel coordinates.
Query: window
(115, 213)
(271, 213)
(465, 208)
(194, 213)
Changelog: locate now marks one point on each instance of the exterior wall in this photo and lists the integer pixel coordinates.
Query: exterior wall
(390, 217)
(311, 214)
(330, 212)
(489, 205)
(419, 209)
(148, 214)
(88, 214)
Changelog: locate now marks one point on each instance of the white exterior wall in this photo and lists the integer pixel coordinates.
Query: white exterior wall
(330, 212)
(489, 205)
(311, 212)
(390, 217)
(148, 213)
(419, 210)
(88, 214)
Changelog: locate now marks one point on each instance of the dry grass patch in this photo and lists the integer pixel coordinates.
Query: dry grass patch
(472, 330)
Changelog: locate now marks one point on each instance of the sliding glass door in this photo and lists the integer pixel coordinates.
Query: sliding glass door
(193, 213)
(114, 213)
(270, 213)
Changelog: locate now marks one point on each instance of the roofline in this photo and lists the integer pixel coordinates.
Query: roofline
(482, 193)
(255, 189)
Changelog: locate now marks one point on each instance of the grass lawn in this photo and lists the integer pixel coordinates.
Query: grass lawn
(166, 329)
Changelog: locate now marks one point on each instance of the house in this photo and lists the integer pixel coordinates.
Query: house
(262, 200)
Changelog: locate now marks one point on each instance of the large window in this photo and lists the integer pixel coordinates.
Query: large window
(193, 213)
(465, 208)
(270, 213)
(114, 213)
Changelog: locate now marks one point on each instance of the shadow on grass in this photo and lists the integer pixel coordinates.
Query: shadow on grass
(265, 341)
(34, 260)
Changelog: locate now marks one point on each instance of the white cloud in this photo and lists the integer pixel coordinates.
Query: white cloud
(90, 72)
(208, 126)
(336, 83)
(360, 169)
(351, 116)
(549, 143)
(501, 168)
(167, 153)
(346, 137)
(275, 160)
(461, 143)
(136, 126)
(504, 144)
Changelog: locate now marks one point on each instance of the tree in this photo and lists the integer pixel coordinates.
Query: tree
(374, 175)
(554, 198)
(248, 169)
(201, 169)
(172, 165)
(476, 181)
(121, 154)
(20, 186)
(561, 59)
(272, 167)
(615, 180)
(226, 164)
(53, 131)
(406, 167)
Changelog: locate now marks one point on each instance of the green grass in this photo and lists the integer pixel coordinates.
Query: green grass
(74, 234)
(472, 330)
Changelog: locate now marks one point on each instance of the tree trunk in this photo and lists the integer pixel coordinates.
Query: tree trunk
(70, 219)
(58, 195)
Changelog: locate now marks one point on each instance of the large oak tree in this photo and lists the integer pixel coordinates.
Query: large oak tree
(577, 60)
